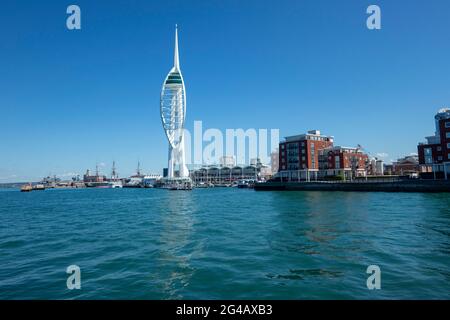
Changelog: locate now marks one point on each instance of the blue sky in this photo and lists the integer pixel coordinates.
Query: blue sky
(71, 99)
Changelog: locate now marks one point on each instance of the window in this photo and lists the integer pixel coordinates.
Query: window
(440, 158)
(448, 145)
(428, 155)
(292, 146)
(447, 124)
(337, 163)
(447, 135)
(439, 149)
(448, 156)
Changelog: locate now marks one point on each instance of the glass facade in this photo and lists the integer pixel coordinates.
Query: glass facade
(428, 153)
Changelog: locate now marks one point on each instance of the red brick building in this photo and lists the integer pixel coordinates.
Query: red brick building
(312, 155)
(434, 155)
(299, 155)
(343, 161)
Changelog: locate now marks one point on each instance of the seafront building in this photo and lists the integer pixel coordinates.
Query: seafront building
(344, 162)
(313, 156)
(434, 154)
(223, 175)
(408, 165)
(299, 155)
(227, 161)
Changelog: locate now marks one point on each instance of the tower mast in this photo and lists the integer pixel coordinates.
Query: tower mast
(176, 57)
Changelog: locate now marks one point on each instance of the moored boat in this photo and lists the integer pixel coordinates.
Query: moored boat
(26, 188)
(39, 187)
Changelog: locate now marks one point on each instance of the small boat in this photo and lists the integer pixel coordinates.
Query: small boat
(246, 183)
(115, 184)
(180, 187)
(99, 185)
(39, 187)
(177, 184)
(26, 188)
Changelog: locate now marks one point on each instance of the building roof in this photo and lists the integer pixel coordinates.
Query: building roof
(443, 113)
(305, 136)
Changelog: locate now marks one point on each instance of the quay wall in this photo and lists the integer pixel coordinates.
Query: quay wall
(397, 186)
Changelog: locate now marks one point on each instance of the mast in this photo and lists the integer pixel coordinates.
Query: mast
(176, 59)
(114, 173)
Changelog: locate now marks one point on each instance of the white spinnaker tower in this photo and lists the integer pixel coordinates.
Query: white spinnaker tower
(173, 114)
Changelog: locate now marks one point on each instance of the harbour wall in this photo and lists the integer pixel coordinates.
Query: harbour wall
(393, 186)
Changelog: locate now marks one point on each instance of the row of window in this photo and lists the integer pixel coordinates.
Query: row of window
(429, 157)
(315, 138)
(429, 151)
(293, 167)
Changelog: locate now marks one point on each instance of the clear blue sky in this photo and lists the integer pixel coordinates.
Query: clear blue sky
(71, 99)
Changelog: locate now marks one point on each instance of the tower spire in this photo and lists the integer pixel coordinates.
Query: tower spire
(176, 59)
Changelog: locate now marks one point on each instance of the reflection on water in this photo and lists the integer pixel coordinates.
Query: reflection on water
(321, 222)
(302, 274)
(176, 246)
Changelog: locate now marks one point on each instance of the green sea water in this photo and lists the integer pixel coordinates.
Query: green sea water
(223, 244)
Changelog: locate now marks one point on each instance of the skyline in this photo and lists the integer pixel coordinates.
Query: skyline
(72, 99)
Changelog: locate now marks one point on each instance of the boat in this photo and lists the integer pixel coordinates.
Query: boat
(103, 185)
(39, 187)
(134, 182)
(151, 180)
(26, 188)
(176, 184)
(202, 185)
(115, 184)
(246, 183)
(180, 187)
